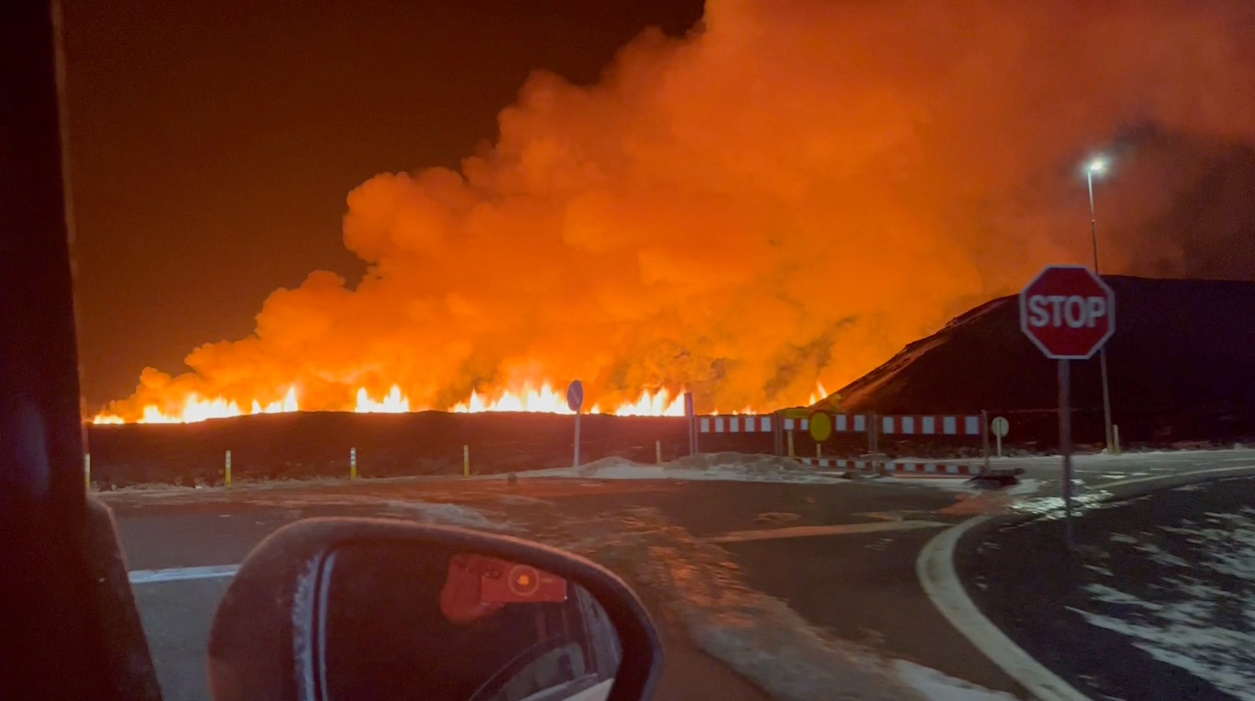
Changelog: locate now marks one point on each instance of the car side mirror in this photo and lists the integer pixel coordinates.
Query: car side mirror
(340, 609)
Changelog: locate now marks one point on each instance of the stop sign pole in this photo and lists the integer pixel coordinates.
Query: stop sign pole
(574, 401)
(1069, 313)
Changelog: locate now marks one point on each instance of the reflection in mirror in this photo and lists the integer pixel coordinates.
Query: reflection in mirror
(398, 620)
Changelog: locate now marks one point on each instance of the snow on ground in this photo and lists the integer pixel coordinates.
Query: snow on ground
(964, 485)
(726, 467)
(1203, 616)
(759, 636)
(1055, 508)
(740, 467)
(935, 686)
(445, 514)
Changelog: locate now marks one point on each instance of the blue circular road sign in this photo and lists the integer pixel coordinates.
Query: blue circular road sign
(575, 395)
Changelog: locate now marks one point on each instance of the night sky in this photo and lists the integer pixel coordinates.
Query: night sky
(213, 144)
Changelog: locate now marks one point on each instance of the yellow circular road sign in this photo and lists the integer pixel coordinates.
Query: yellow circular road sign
(821, 426)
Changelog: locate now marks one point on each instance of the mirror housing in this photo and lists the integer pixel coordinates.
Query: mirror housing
(268, 638)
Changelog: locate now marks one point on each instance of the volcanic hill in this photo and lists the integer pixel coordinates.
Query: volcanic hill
(1181, 366)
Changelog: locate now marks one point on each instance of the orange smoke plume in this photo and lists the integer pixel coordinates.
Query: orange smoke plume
(794, 191)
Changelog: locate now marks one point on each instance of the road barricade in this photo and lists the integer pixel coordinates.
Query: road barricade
(868, 441)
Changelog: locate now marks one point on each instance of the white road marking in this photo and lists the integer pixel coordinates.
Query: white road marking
(811, 531)
(180, 574)
(935, 569)
(1188, 473)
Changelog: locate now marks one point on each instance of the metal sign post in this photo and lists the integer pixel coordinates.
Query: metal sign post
(692, 420)
(1065, 444)
(777, 432)
(574, 401)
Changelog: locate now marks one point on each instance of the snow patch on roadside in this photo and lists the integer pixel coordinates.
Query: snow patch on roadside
(935, 686)
(1206, 627)
(725, 467)
(1183, 635)
(1054, 508)
(962, 484)
(1158, 556)
(445, 514)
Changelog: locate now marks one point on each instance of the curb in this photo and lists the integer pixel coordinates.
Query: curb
(935, 569)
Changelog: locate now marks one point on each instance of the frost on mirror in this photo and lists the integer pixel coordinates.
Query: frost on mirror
(422, 621)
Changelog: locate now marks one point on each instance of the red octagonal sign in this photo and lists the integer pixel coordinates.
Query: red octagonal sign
(1068, 311)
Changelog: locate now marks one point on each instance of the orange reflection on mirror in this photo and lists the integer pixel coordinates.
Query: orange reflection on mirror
(478, 585)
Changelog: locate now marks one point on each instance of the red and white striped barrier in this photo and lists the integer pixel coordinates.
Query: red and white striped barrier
(900, 425)
(930, 425)
(849, 423)
(932, 468)
(916, 468)
(841, 423)
(734, 424)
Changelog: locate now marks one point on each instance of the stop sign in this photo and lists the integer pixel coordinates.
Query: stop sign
(1068, 311)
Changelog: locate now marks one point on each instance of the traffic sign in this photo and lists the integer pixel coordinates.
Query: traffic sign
(999, 426)
(1068, 312)
(820, 426)
(575, 395)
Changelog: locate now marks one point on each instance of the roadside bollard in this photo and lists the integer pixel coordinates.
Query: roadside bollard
(352, 464)
(466, 461)
(87, 471)
(226, 470)
(658, 452)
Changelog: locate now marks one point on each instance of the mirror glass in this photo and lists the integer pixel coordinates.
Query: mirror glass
(406, 620)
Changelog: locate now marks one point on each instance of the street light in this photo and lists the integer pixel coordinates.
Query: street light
(1098, 166)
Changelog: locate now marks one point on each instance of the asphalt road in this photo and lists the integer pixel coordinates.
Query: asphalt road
(851, 575)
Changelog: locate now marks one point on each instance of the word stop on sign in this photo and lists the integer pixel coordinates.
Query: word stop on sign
(1073, 311)
(1068, 312)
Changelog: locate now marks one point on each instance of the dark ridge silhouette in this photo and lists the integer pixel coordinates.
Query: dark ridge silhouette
(1181, 363)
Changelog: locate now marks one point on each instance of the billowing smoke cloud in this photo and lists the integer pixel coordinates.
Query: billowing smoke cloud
(791, 193)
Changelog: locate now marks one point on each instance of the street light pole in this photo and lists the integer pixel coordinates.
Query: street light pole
(1098, 166)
